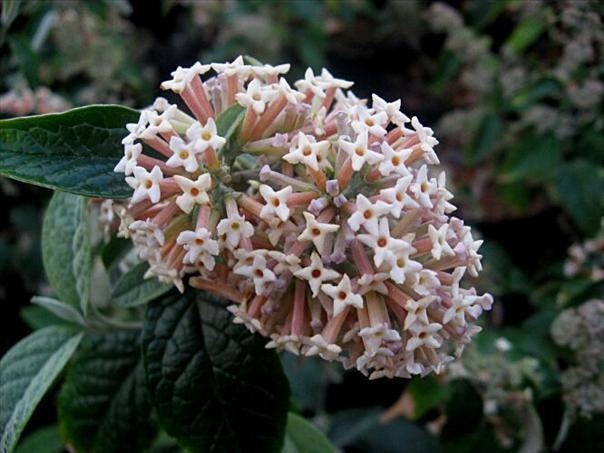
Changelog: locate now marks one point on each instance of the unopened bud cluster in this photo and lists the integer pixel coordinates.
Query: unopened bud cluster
(313, 212)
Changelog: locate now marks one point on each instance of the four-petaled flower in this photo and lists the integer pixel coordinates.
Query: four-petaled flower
(342, 295)
(145, 184)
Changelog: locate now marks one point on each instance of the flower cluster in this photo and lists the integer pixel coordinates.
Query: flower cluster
(587, 259)
(313, 212)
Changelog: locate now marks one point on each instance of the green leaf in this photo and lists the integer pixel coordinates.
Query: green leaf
(228, 121)
(427, 393)
(47, 440)
(214, 385)
(362, 430)
(580, 188)
(103, 404)
(74, 151)
(525, 34)
(66, 249)
(37, 317)
(132, 289)
(484, 141)
(59, 309)
(530, 95)
(301, 436)
(533, 156)
(26, 372)
(27, 59)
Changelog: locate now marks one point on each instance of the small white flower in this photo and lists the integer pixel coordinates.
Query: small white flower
(236, 67)
(318, 345)
(403, 266)
(307, 152)
(289, 263)
(392, 109)
(427, 281)
(276, 202)
(460, 305)
(359, 151)
(165, 274)
(329, 81)
(374, 336)
(316, 232)
(440, 245)
(293, 97)
(268, 70)
(372, 123)
(127, 164)
(416, 311)
(383, 245)
(342, 295)
(145, 184)
(181, 77)
(258, 271)
(424, 335)
(367, 215)
(185, 155)
(204, 137)
(193, 192)
(256, 96)
(397, 196)
(422, 188)
(394, 160)
(427, 141)
(311, 83)
(316, 274)
(199, 246)
(235, 227)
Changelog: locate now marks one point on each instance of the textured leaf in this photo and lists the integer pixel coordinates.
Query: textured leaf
(103, 404)
(214, 385)
(47, 440)
(26, 373)
(228, 121)
(580, 186)
(66, 249)
(362, 429)
(133, 289)
(59, 309)
(74, 151)
(37, 317)
(302, 437)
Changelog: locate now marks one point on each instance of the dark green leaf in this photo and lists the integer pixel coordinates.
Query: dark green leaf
(484, 141)
(26, 373)
(427, 393)
(228, 121)
(133, 289)
(66, 250)
(580, 187)
(532, 94)
(38, 318)
(115, 249)
(302, 437)
(533, 157)
(525, 34)
(214, 385)
(47, 440)
(103, 404)
(59, 309)
(362, 429)
(308, 379)
(74, 151)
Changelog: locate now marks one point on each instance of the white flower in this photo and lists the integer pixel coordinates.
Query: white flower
(427, 141)
(308, 152)
(397, 196)
(293, 97)
(367, 215)
(460, 305)
(199, 246)
(127, 164)
(394, 160)
(416, 311)
(193, 192)
(359, 152)
(384, 247)
(368, 122)
(427, 281)
(316, 274)
(267, 70)
(392, 109)
(311, 83)
(165, 274)
(185, 155)
(181, 77)
(440, 245)
(276, 202)
(235, 227)
(318, 345)
(422, 188)
(402, 266)
(474, 265)
(236, 67)
(258, 272)
(204, 137)
(145, 184)
(342, 295)
(424, 334)
(285, 262)
(329, 81)
(316, 232)
(374, 336)
(256, 96)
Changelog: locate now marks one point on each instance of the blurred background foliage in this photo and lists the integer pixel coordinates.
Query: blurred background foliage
(514, 90)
